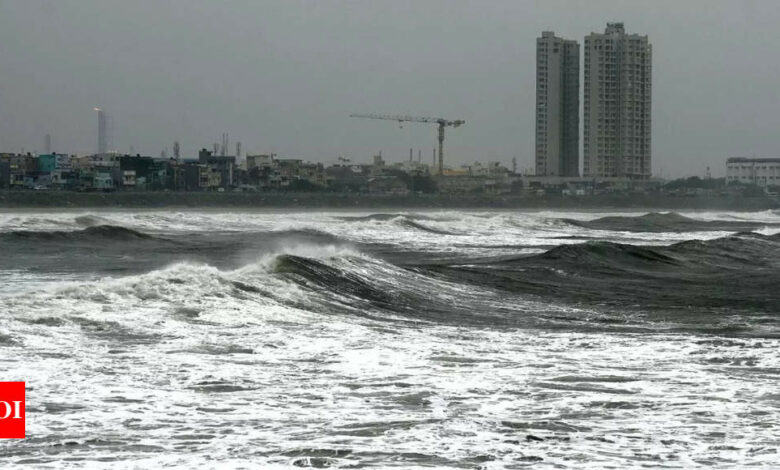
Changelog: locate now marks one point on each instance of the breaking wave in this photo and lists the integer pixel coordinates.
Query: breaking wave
(315, 278)
(406, 222)
(96, 232)
(91, 220)
(411, 221)
(309, 235)
(316, 271)
(738, 273)
(664, 222)
(596, 253)
(382, 216)
(333, 279)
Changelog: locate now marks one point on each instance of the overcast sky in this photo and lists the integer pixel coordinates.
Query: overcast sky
(282, 76)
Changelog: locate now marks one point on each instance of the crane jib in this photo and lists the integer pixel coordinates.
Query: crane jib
(401, 119)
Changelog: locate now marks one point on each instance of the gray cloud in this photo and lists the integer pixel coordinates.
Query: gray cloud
(283, 75)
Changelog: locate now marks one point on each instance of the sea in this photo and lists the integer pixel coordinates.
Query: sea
(399, 339)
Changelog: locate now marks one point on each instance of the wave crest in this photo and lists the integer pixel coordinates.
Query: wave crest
(110, 232)
(663, 222)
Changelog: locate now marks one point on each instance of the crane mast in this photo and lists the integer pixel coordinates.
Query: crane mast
(440, 121)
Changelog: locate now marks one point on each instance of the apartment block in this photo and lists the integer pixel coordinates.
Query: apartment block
(557, 106)
(617, 102)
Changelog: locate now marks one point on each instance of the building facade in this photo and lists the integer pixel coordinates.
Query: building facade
(758, 171)
(557, 106)
(617, 102)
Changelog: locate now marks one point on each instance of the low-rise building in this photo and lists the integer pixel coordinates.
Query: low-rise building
(412, 167)
(53, 170)
(313, 173)
(464, 184)
(214, 179)
(103, 181)
(259, 161)
(758, 171)
(105, 162)
(22, 170)
(5, 173)
(224, 164)
(348, 178)
(196, 176)
(128, 179)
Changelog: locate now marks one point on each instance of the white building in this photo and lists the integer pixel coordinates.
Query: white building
(617, 95)
(760, 171)
(557, 106)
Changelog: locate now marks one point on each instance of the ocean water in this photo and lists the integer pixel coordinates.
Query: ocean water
(448, 339)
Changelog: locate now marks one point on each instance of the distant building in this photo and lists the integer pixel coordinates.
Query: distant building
(62, 161)
(81, 163)
(348, 178)
(759, 171)
(225, 165)
(143, 172)
(259, 161)
(53, 169)
(288, 169)
(102, 147)
(22, 169)
(411, 167)
(491, 169)
(617, 91)
(313, 173)
(47, 162)
(128, 178)
(557, 106)
(194, 177)
(465, 184)
(103, 181)
(5, 171)
(105, 161)
(378, 165)
(214, 179)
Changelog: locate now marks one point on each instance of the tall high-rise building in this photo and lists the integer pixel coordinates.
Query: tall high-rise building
(617, 104)
(557, 106)
(102, 147)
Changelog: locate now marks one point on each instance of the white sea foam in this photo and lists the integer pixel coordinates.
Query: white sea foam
(195, 366)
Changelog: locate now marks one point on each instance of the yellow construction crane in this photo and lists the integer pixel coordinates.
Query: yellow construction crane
(401, 119)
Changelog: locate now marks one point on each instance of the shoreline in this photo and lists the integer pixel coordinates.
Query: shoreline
(159, 200)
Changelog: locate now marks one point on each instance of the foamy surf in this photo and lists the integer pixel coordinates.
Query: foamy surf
(395, 340)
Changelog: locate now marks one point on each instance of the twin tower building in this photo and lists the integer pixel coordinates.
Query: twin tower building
(616, 108)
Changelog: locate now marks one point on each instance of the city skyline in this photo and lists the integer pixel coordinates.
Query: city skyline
(187, 75)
